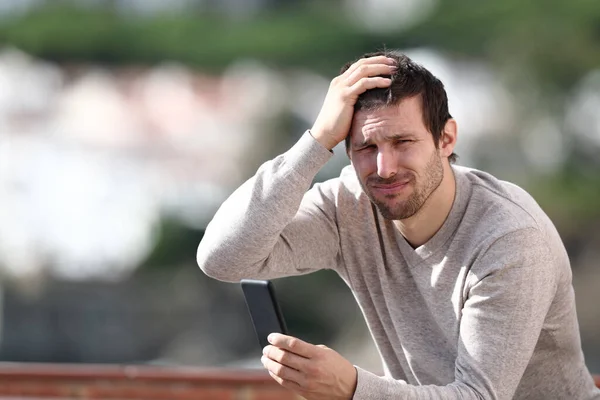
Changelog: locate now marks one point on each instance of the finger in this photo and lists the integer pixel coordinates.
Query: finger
(369, 60)
(281, 373)
(369, 83)
(292, 344)
(286, 358)
(371, 70)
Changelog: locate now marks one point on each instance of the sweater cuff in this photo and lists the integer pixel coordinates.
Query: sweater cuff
(372, 387)
(307, 156)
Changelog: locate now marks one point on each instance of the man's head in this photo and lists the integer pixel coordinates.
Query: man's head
(402, 139)
(410, 79)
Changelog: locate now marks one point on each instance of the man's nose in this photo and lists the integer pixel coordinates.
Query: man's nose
(386, 164)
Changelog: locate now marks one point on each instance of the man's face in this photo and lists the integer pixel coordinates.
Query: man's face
(395, 158)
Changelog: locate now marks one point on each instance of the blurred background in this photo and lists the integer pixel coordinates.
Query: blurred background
(125, 123)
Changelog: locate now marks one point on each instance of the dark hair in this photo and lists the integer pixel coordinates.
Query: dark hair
(410, 79)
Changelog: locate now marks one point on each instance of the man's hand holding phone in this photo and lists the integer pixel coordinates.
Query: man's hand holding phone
(313, 371)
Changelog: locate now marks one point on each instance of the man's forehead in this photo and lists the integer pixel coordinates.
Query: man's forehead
(406, 114)
(381, 116)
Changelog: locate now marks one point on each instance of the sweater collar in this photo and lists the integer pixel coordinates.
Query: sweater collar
(450, 225)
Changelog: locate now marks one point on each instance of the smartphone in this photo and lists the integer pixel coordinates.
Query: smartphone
(264, 310)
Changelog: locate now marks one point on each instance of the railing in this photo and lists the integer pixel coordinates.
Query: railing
(58, 381)
(52, 381)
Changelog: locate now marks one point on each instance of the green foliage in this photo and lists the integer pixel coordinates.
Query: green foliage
(65, 34)
(571, 198)
(557, 40)
(175, 246)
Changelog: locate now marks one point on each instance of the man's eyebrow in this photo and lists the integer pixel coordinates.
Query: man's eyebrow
(400, 136)
(394, 137)
(362, 143)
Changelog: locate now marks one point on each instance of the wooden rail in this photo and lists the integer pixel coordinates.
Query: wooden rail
(52, 381)
(61, 381)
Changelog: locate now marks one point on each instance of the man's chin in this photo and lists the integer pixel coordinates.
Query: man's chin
(391, 207)
(395, 212)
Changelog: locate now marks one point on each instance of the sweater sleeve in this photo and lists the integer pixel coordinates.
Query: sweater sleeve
(513, 285)
(271, 226)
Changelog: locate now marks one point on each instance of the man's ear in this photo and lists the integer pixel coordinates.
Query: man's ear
(448, 138)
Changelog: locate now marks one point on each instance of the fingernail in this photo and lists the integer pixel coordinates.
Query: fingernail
(265, 350)
(271, 338)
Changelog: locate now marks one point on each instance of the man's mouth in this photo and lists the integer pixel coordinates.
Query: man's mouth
(390, 188)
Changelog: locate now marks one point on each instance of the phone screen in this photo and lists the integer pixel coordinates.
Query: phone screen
(264, 310)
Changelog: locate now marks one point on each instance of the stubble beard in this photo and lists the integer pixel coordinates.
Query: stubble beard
(432, 179)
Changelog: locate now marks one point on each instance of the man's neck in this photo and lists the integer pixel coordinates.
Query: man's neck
(418, 229)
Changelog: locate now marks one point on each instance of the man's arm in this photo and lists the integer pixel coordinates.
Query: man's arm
(500, 325)
(267, 229)
(261, 231)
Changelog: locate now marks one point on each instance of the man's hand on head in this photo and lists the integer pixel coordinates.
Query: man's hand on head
(335, 118)
(313, 371)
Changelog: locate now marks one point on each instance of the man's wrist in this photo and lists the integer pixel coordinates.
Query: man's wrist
(353, 384)
(323, 140)
(307, 156)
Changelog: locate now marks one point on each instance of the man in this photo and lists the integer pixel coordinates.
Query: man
(463, 280)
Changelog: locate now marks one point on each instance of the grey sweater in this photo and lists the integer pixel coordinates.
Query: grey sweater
(484, 310)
